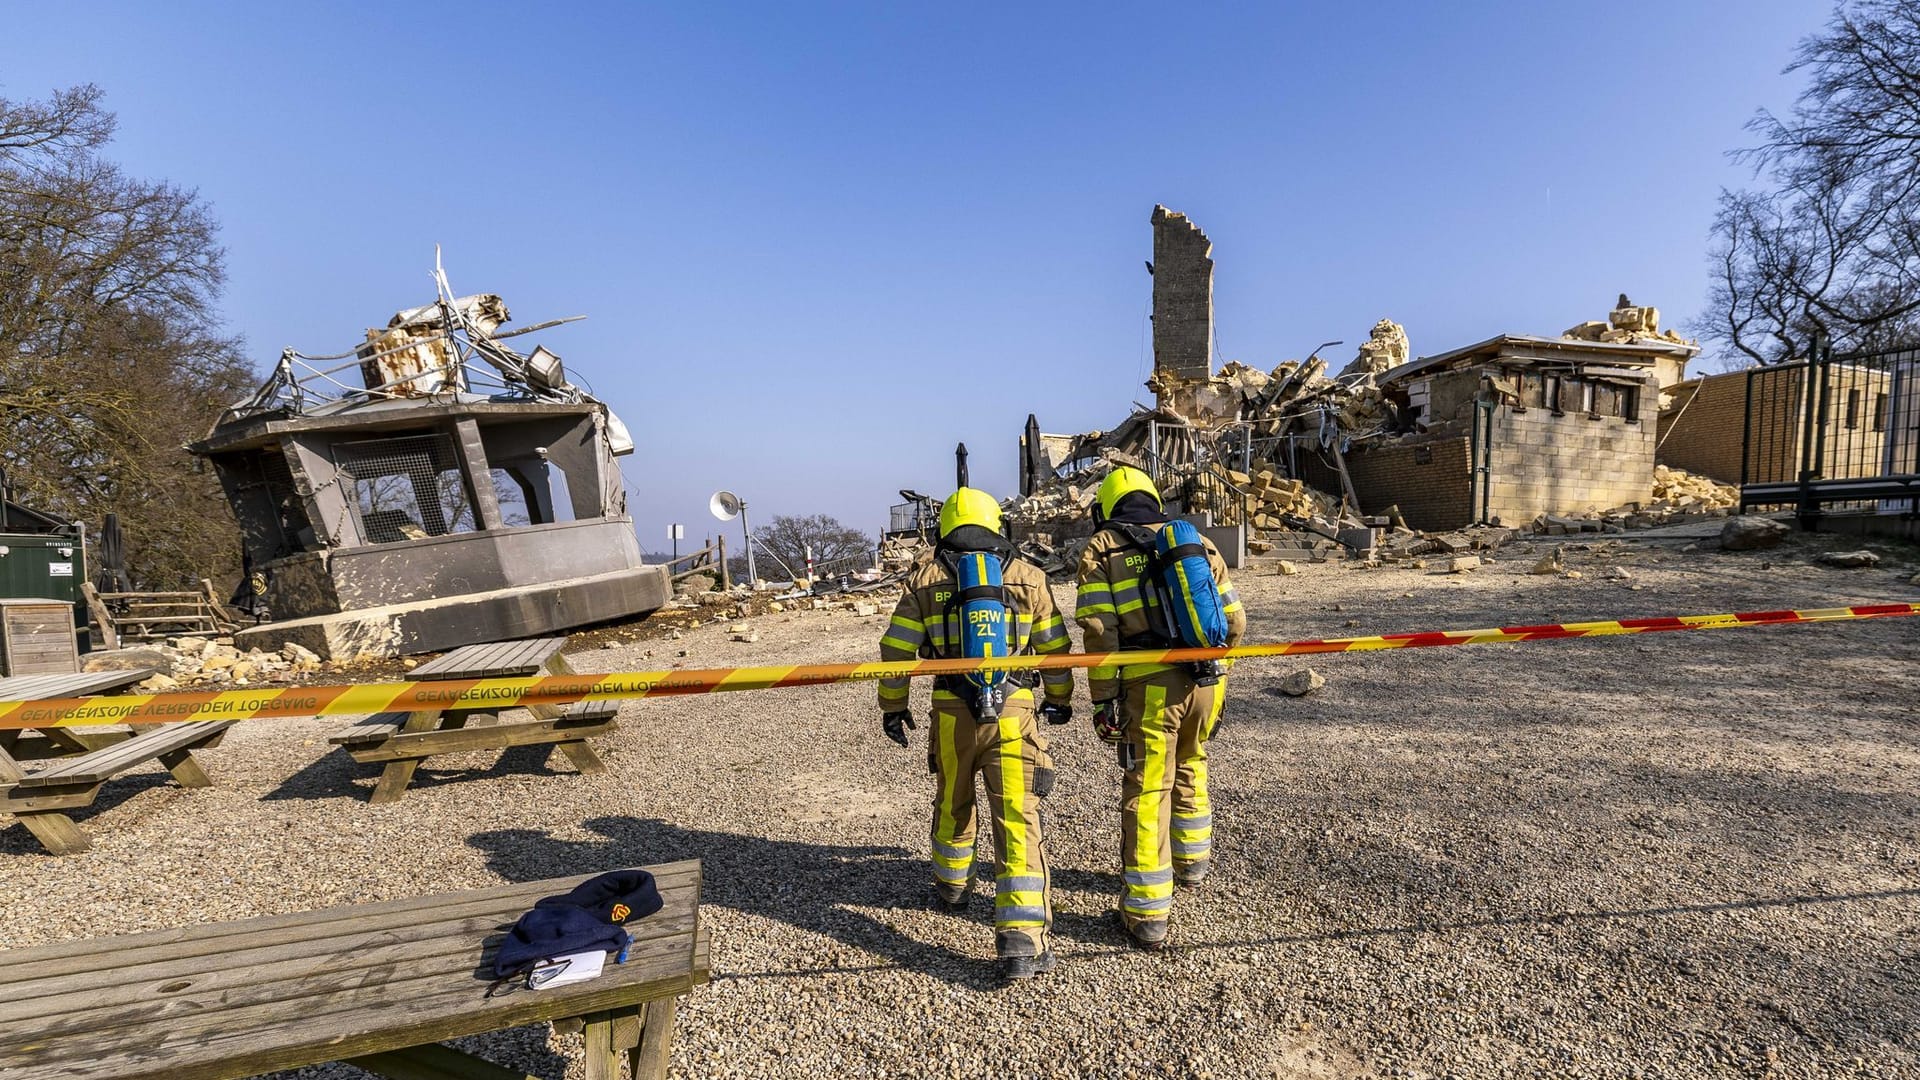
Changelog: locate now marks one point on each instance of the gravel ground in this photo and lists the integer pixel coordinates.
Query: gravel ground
(1666, 855)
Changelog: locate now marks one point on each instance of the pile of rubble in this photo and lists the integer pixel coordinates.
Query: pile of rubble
(1679, 491)
(1677, 495)
(1192, 433)
(1626, 324)
(195, 661)
(898, 553)
(1272, 501)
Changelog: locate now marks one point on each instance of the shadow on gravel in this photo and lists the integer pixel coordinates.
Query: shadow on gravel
(1559, 918)
(335, 775)
(800, 884)
(16, 840)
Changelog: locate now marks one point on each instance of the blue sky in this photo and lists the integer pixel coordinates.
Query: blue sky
(820, 244)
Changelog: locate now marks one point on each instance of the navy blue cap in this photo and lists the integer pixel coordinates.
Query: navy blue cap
(547, 932)
(617, 897)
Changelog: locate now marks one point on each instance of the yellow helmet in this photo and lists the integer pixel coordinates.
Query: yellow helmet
(1119, 483)
(969, 506)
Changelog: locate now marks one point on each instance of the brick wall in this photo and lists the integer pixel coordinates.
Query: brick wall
(1543, 464)
(1427, 481)
(1702, 431)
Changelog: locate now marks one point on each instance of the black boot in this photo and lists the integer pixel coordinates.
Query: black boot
(1026, 967)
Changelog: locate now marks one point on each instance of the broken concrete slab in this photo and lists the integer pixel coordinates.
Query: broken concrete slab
(449, 622)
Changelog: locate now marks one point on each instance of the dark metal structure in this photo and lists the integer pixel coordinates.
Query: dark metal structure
(1834, 433)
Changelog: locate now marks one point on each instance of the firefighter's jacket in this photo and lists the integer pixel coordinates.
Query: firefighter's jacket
(927, 624)
(1115, 608)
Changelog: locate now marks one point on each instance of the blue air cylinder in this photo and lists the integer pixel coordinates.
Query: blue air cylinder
(985, 630)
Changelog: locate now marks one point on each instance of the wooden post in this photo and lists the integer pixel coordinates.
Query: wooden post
(726, 579)
(98, 609)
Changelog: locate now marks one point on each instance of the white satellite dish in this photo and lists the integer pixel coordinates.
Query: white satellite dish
(726, 506)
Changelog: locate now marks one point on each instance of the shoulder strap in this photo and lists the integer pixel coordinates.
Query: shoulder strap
(1139, 536)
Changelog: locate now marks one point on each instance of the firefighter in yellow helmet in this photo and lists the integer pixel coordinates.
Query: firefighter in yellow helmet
(1160, 715)
(996, 736)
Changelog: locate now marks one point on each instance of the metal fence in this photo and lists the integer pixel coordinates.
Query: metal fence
(1835, 432)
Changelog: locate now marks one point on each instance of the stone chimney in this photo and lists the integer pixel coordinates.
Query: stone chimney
(1182, 299)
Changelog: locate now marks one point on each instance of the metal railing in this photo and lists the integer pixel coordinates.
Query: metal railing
(1834, 433)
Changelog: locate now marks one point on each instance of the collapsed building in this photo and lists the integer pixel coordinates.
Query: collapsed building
(1518, 427)
(464, 492)
(1553, 433)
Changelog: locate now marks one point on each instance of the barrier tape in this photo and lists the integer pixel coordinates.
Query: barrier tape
(565, 689)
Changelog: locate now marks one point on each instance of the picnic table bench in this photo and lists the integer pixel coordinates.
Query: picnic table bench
(402, 740)
(40, 798)
(378, 986)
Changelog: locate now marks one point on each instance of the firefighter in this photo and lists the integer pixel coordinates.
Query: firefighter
(1159, 715)
(1008, 749)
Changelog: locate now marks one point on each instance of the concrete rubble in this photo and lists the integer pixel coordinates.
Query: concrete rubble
(198, 662)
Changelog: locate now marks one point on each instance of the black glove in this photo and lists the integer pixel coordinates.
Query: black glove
(1107, 722)
(1056, 714)
(896, 725)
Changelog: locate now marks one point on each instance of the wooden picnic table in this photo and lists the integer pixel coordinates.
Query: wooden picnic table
(83, 759)
(378, 986)
(25, 744)
(401, 741)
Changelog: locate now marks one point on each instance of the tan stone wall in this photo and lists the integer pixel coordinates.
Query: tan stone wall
(1427, 481)
(1182, 296)
(1541, 463)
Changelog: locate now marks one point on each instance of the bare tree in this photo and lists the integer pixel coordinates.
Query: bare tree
(111, 355)
(782, 546)
(1834, 246)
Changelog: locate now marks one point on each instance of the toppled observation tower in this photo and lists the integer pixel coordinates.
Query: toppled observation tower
(464, 492)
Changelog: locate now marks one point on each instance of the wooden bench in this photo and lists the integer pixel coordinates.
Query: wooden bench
(401, 741)
(378, 986)
(40, 799)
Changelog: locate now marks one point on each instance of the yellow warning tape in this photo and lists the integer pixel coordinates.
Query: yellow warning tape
(440, 695)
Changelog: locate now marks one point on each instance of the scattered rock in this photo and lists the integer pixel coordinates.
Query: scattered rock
(159, 684)
(299, 654)
(1749, 533)
(747, 636)
(190, 646)
(1850, 560)
(1572, 575)
(737, 628)
(1302, 682)
(776, 605)
(1285, 568)
(865, 609)
(1551, 563)
(1460, 564)
(1617, 573)
(220, 661)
